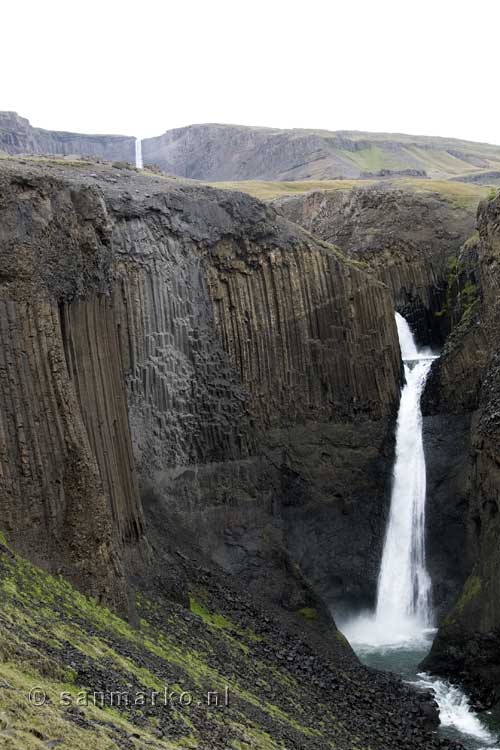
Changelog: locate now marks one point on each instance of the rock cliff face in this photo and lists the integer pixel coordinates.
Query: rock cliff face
(17, 136)
(468, 643)
(192, 347)
(68, 480)
(218, 152)
(408, 237)
(412, 241)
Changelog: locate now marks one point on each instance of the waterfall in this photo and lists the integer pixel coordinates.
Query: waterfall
(404, 584)
(398, 634)
(138, 153)
(403, 610)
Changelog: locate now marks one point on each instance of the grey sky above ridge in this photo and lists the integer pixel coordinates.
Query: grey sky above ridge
(122, 67)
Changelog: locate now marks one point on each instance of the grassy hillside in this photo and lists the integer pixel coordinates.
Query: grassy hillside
(218, 152)
(460, 193)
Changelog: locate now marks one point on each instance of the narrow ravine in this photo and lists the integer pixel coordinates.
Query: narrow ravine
(398, 634)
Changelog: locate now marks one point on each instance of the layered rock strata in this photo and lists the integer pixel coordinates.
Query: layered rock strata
(413, 242)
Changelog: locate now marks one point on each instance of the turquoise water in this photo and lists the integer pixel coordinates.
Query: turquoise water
(458, 721)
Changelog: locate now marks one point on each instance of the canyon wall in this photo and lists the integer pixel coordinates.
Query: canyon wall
(407, 236)
(468, 378)
(69, 491)
(411, 240)
(268, 358)
(191, 352)
(18, 136)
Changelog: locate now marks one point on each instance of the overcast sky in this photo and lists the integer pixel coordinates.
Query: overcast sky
(426, 67)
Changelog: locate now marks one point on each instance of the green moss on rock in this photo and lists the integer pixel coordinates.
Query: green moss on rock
(309, 613)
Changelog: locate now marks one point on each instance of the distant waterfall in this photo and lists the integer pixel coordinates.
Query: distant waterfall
(403, 608)
(138, 154)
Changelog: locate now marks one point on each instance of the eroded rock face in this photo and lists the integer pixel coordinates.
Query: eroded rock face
(468, 644)
(68, 481)
(207, 352)
(18, 136)
(407, 237)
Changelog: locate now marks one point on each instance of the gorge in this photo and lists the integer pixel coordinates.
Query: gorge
(399, 632)
(203, 403)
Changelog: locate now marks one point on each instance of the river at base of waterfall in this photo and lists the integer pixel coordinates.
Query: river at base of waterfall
(459, 721)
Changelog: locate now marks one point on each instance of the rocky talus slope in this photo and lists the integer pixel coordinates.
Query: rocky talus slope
(222, 673)
(18, 136)
(218, 152)
(467, 379)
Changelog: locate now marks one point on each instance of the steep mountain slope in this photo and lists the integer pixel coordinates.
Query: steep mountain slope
(232, 152)
(215, 152)
(17, 136)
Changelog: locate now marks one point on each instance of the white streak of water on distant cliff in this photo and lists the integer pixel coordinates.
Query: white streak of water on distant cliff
(138, 153)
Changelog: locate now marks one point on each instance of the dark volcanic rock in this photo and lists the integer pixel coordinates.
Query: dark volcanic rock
(468, 644)
(408, 237)
(209, 351)
(447, 449)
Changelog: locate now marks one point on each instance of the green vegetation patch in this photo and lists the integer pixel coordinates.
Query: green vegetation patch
(308, 612)
(462, 195)
(471, 590)
(63, 642)
(213, 619)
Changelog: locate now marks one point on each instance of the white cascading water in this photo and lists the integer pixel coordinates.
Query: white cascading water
(403, 610)
(138, 154)
(404, 586)
(455, 710)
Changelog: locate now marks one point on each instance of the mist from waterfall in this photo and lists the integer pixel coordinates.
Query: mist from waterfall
(403, 610)
(138, 154)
